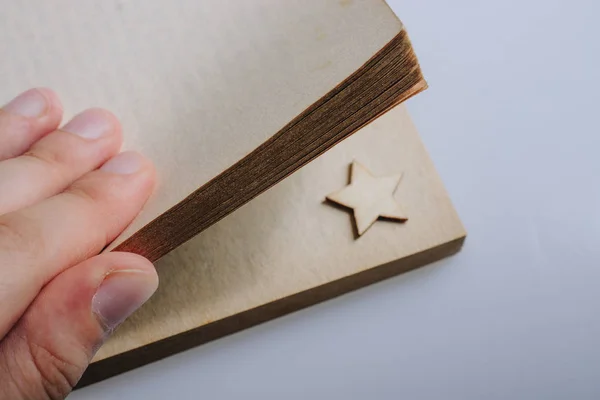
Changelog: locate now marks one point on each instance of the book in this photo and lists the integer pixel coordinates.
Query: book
(227, 98)
(288, 249)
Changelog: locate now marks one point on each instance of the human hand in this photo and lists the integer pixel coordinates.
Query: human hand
(64, 195)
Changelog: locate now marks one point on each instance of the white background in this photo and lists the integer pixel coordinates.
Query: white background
(511, 121)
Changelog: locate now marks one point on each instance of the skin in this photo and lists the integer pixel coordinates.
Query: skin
(65, 193)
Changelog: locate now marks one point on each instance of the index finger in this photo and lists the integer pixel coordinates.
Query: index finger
(39, 242)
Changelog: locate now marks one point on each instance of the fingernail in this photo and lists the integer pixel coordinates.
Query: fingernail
(90, 124)
(125, 163)
(120, 294)
(32, 103)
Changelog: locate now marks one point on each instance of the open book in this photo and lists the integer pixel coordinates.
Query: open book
(286, 250)
(225, 97)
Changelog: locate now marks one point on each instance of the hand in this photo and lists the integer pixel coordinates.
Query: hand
(64, 195)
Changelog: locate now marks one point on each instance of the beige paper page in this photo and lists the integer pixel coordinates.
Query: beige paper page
(288, 240)
(197, 84)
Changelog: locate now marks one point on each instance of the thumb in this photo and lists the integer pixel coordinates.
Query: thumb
(48, 350)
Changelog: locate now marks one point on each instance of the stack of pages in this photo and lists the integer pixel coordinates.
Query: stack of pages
(229, 98)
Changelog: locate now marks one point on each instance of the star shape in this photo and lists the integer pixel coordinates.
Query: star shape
(369, 197)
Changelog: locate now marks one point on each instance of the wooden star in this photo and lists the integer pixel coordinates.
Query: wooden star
(370, 197)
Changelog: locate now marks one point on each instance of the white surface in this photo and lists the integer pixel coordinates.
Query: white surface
(511, 122)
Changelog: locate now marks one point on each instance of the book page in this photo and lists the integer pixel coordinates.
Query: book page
(288, 240)
(197, 84)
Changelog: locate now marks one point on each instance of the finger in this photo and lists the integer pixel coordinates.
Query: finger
(27, 118)
(51, 346)
(39, 242)
(59, 158)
